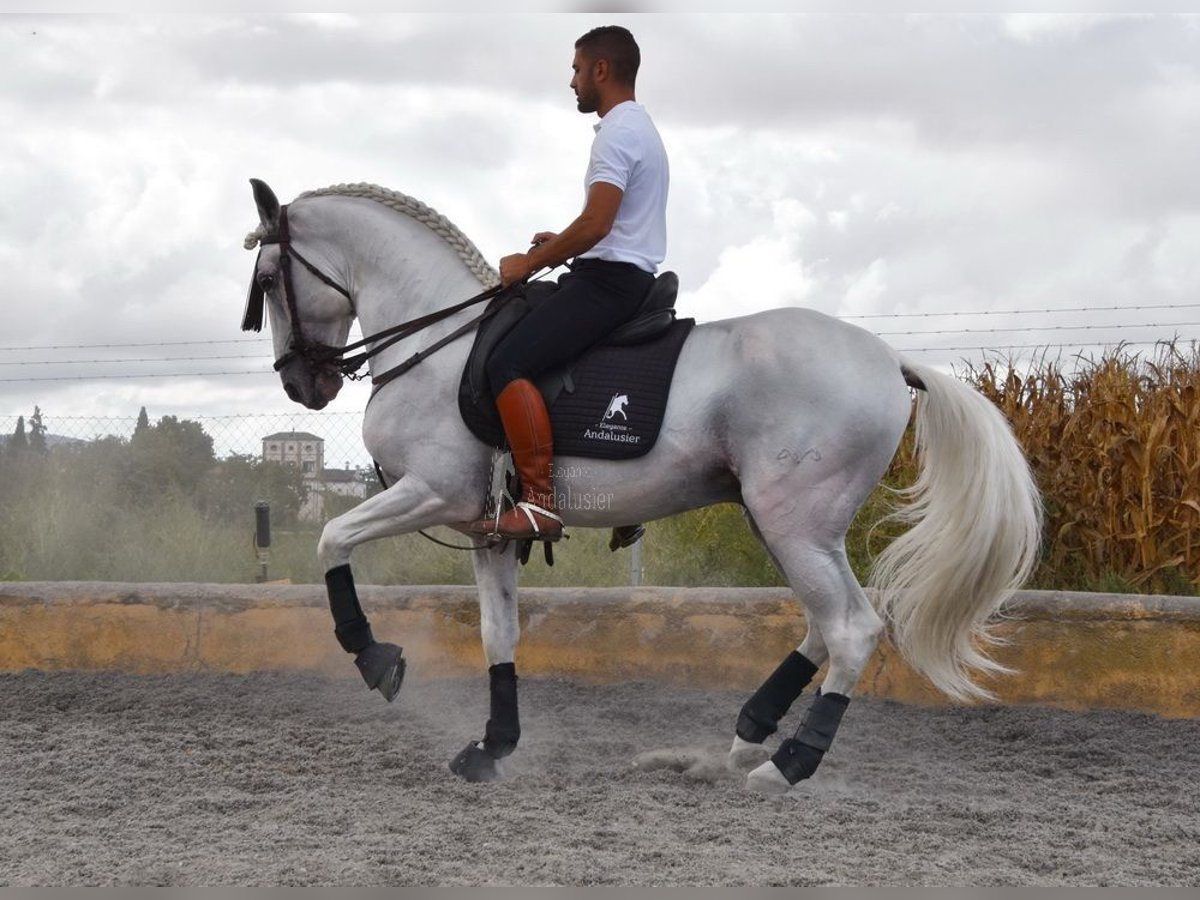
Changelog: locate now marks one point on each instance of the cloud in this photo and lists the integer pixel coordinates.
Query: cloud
(1033, 27)
(859, 164)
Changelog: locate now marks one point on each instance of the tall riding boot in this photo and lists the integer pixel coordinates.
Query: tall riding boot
(527, 427)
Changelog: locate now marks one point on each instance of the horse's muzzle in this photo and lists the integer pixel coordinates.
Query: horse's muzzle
(311, 388)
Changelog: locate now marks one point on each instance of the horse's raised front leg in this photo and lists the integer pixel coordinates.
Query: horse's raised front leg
(496, 578)
(404, 507)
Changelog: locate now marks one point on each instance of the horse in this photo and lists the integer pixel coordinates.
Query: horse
(616, 407)
(793, 414)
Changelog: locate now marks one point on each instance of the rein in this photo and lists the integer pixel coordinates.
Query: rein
(349, 367)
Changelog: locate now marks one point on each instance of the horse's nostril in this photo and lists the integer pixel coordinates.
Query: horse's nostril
(292, 391)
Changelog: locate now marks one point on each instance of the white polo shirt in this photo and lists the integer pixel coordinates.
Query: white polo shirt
(627, 152)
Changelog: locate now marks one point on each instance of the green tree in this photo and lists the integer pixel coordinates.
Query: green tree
(143, 423)
(18, 443)
(37, 432)
(171, 456)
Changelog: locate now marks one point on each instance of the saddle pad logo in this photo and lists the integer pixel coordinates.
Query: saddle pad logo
(608, 429)
(616, 407)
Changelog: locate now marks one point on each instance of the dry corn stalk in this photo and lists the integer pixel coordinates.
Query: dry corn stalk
(1114, 446)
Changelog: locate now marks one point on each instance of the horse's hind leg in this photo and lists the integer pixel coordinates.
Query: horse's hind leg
(496, 577)
(760, 715)
(846, 626)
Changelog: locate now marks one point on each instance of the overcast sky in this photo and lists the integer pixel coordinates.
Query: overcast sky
(858, 164)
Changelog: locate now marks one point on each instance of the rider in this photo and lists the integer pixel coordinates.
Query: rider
(617, 243)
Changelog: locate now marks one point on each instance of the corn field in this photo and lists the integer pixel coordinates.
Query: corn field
(1115, 446)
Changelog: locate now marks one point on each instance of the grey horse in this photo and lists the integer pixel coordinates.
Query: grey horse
(793, 414)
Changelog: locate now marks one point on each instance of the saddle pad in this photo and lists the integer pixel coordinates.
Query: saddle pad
(609, 403)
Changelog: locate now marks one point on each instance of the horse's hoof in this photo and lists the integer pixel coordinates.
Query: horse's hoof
(767, 779)
(475, 764)
(382, 667)
(744, 756)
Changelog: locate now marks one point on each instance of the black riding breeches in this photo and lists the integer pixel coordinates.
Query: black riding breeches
(592, 301)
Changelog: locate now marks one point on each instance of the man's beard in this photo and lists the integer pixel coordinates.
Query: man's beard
(586, 103)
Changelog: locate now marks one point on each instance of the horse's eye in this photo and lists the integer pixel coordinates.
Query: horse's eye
(266, 280)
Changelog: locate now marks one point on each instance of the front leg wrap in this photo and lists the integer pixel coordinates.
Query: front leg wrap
(504, 726)
(350, 624)
(759, 718)
(381, 665)
(480, 760)
(798, 757)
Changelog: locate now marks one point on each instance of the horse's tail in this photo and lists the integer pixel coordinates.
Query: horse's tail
(976, 525)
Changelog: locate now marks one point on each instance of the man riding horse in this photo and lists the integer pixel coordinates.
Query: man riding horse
(799, 431)
(617, 244)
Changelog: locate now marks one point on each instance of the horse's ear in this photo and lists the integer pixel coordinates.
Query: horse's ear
(267, 203)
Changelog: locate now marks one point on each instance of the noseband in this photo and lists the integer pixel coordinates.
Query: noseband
(315, 353)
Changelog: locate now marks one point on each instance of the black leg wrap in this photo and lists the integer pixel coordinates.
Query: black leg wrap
(760, 716)
(504, 727)
(798, 757)
(350, 624)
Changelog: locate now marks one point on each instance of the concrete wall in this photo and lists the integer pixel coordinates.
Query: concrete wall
(1071, 650)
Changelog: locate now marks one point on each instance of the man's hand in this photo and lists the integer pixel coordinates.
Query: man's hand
(550, 249)
(514, 269)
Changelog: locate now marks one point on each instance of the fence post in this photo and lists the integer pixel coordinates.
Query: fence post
(262, 538)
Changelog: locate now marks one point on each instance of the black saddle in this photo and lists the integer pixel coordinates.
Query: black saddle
(653, 317)
(636, 362)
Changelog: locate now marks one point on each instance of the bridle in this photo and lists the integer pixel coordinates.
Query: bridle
(316, 354)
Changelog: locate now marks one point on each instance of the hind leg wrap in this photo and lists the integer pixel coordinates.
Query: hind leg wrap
(503, 727)
(351, 627)
(798, 757)
(760, 717)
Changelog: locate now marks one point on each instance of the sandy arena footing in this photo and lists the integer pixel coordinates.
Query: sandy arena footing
(276, 778)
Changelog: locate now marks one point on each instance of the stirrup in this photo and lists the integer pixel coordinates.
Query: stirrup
(625, 536)
(530, 508)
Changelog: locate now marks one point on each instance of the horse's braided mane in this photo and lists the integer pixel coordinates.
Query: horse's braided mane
(414, 209)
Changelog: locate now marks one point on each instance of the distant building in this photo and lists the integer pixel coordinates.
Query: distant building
(296, 450)
(306, 452)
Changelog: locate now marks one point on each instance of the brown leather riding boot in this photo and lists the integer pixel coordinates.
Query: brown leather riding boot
(527, 427)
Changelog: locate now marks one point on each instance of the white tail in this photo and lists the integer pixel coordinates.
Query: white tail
(976, 520)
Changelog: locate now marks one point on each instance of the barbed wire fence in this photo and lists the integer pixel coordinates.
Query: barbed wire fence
(1094, 326)
(1064, 331)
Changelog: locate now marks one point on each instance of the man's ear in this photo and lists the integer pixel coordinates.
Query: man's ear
(600, 70)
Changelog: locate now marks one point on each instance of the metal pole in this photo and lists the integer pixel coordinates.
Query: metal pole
(262, 538)
(635, 562)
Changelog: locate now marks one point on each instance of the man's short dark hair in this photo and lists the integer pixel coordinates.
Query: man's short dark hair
(615, 44)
